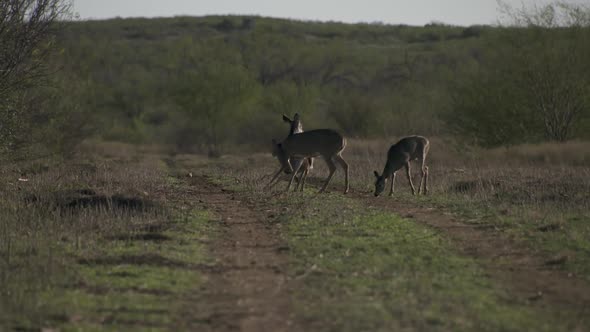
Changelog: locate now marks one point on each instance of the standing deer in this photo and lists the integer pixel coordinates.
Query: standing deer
(401, 154)
(314, 143)
(303, 164)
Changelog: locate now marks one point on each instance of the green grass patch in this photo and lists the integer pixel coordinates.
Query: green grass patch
(115, 311)
(357, 268)
(557, 231)
(135, 280)
(364, 269)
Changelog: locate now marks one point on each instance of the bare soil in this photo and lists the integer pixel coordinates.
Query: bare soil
(247, 287)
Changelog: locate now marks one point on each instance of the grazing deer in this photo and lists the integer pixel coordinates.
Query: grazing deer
(401, 154)
(314, 143)
(303, 164)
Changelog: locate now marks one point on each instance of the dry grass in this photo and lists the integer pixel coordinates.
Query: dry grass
(555, 175)
(524, 195)
(542, 175)
(63, 211)
(542, 205)
(573, 153)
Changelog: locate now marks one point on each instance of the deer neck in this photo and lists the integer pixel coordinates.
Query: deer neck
(295, 129)
(390, 167)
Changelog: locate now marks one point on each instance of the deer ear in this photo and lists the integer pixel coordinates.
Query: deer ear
(286, 118)
(296, 117)
(376, 174)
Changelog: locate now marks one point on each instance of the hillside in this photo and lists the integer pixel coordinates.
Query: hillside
(138, 188)
(172, 79)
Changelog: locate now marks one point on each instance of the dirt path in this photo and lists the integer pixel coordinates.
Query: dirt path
(529, 277)
(246, 289)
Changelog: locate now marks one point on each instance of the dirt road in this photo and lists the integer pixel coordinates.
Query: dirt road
(248, 288)
(528, 276)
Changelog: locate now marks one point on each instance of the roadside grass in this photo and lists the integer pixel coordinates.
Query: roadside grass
(563, 234)
(111, 240)
(536, 194)
(102, 243)
(365, 269)
(546, 206)
(138, 284)
(360, 266)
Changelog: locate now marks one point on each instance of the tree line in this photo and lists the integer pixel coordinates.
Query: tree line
(214, 83)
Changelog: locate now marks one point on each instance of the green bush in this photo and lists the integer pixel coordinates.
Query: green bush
(533, 87)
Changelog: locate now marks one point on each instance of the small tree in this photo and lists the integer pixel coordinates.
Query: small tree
(216, 95)
(27, 31)
(554, 55)
(533, 84)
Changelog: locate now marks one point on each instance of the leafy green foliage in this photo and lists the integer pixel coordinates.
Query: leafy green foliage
(207, 83)
(533, 87)
(215, 95)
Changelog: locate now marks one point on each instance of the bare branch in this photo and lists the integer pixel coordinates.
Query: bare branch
(27, 28)
(27, 33)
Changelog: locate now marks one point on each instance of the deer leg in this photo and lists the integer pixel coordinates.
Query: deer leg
(392, 184)
(408, 173)
(304, 169)
(293, 176)
(426, 180)
(332, 168)
(422, 177)
(270, 184)
(303, 178)
(298, 181)
(344, 165)
(423, 181)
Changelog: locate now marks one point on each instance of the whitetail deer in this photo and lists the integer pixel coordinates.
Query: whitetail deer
(401, 154)
(303, 164)
(314, 143)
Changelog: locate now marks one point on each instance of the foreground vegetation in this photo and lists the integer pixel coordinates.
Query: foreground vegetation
(204, 83)
(534, 193)
(97, 235)
(376, 271)
(364, 268)
(120, 242)
(99, 244)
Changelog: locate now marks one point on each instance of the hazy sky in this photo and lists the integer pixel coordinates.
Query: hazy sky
(414, 12)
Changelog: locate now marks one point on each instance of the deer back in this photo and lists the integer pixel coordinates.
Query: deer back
(313, 143)
(408, 148)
